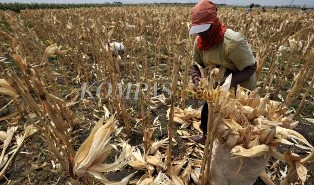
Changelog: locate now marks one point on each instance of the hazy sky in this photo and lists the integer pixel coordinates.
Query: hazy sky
(308, 3)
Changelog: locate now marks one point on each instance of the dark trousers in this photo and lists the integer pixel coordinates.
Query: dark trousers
(204, 118)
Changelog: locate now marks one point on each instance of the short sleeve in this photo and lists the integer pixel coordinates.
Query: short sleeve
(196, 55)
(241, 56)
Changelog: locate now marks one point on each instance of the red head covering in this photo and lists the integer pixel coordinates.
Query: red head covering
(205, 12)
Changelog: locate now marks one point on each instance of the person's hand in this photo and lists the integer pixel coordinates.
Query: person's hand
(196, 76)
(196, 82)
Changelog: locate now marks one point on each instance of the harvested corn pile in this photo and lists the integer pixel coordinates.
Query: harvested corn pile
(250, 126)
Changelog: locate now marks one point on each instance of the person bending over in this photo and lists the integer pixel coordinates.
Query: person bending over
(219, 47)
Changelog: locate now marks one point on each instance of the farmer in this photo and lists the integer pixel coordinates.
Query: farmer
(219, 47)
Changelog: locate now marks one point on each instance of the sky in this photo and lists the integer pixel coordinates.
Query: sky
(307, 3)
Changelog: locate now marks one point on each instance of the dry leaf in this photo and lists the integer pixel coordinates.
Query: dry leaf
(302, 172)
(252, 152)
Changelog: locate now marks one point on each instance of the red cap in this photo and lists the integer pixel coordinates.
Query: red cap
(203, 15)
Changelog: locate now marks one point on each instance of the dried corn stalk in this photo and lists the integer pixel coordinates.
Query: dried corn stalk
(7, 157)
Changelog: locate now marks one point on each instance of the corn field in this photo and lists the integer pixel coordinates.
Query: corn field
(79, 107)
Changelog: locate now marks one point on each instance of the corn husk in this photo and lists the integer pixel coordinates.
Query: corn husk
(162, 179)
(7, 89)
(94, 150)
(185, 117)
(156, 145)
(51, 50)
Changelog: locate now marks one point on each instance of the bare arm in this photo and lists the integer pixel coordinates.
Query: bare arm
(195, 71)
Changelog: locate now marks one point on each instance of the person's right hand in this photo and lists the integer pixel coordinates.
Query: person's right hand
(196, 82)
(196, 76)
